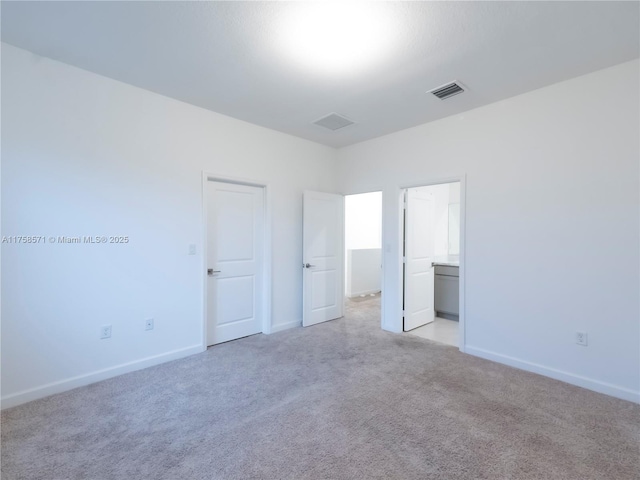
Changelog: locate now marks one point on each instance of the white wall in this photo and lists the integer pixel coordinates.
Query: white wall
(453, 237)
(443, 195)
(364, 272)
(363, 238)
(454, 192)
(552, 206)
(86, 155)
(552, 223)
(363, 220)
(441, 218)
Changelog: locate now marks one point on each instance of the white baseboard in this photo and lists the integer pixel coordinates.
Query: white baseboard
(580, 381)
(285, 326)
(366, 292)
(81, 380)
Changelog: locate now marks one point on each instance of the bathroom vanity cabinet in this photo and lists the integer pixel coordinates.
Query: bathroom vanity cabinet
(447, 291)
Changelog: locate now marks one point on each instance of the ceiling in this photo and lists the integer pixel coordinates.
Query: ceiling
(230, 57)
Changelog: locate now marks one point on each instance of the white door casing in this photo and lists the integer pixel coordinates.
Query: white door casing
(322, 261)
(235, 241)
(419, 251)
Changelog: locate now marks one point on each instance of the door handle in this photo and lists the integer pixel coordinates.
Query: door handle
(307, 265)
(211, 271)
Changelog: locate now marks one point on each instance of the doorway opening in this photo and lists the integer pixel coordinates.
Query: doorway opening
(363, 257)
(431, 261)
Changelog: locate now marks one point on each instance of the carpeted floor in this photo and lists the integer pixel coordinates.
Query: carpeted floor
(340, 400)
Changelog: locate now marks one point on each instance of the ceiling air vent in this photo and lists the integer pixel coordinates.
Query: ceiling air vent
(448, 90)
(333, 121)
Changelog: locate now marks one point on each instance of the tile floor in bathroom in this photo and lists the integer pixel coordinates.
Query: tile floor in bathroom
(441, 330)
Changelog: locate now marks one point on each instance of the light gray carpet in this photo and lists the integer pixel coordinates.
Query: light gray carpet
(340, 400)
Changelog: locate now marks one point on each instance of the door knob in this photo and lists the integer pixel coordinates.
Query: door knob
(307, 265)
(211, 271)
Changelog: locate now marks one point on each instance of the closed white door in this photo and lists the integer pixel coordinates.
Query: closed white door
(235, 239)
(322, 258)
(419, 251)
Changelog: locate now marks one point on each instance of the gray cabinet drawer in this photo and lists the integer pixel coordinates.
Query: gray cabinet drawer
(447, 270)
(446, 294)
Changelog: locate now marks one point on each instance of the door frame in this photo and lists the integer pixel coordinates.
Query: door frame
(397, 323)
(266, 246)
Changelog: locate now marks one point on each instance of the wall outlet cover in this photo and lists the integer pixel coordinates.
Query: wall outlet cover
(582, 338)
(105, 331)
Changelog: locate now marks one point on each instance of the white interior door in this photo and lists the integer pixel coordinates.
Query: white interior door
(322, 260)
(235, 239)
(419, 251)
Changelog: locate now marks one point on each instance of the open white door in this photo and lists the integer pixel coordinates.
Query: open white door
(419, 251)
(235, 236)
(322, 257)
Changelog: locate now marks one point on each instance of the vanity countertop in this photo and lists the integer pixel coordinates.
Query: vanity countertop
(449, 260)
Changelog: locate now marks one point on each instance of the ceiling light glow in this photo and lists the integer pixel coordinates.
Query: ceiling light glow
(335, 37)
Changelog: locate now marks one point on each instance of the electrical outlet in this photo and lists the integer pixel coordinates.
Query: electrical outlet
(105, 331)
(581, 338)
(192, 249)
(148, 324)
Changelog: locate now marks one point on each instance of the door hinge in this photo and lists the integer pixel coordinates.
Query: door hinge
(404, 259)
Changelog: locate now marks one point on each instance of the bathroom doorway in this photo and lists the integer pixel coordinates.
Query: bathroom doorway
(431, 261)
